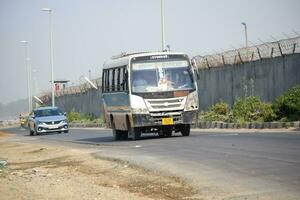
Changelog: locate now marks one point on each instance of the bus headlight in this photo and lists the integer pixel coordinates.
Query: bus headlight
(138, 105)
(139, 110)
(192, 102)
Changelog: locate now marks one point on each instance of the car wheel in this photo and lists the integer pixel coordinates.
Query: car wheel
(30, 132)
(35, 132)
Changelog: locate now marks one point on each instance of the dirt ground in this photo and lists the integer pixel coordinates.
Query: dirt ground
(36, 171)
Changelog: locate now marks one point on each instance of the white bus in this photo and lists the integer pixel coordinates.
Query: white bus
(149, 92)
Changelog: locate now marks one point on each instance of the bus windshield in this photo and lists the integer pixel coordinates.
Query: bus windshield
(157, 76)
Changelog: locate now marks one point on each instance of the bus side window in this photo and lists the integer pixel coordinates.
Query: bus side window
(111, 80)
(117, 79)
(121, 79)
(107, 81)
(125, 77)
(103, 80)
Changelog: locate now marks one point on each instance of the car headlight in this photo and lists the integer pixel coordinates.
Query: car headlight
(138, 105)
(64, 121)
(192, 102)
(39, 122)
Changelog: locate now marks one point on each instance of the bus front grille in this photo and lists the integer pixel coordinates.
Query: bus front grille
(165, 104)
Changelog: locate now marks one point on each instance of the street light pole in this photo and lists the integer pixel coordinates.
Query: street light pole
(28, 75)
(246, 36)
(90, 74)
(51, 54)
(162, 26)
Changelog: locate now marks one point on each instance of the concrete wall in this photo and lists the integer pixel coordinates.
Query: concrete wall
(267, 79)
(87, 102)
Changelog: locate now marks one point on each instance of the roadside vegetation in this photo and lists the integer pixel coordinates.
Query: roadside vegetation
(251, 109)
(76, 117)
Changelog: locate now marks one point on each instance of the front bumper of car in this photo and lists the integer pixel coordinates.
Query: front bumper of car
(45, 128)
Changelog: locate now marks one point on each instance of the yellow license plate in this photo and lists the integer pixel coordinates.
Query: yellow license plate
(167, 121)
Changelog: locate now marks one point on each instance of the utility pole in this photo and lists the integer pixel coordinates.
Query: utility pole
(51, 54)
(246, 34)
(162, 26)
(28, 67)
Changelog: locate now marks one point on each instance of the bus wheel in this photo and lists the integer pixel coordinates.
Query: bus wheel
(117, 134)
(168, 133)
(136, 133)
(185, 130)
(124, 135)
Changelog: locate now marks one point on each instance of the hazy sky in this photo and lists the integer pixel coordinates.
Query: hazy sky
(88, 32)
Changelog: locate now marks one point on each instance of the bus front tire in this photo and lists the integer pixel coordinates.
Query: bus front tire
(185, 130)
(117, 134)
(124, 135)
(136, 133)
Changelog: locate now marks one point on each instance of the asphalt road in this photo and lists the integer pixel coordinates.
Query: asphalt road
(235, 165)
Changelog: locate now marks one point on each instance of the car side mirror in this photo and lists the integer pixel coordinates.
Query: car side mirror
(65, 114)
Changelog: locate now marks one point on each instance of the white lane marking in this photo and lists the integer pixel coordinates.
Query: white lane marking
(137, 146)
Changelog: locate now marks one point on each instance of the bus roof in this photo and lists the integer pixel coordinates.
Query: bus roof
(124, 58)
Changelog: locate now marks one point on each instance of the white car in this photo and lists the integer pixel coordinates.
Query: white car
(47, 119)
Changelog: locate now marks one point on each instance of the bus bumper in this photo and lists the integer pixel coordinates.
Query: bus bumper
(143, 120)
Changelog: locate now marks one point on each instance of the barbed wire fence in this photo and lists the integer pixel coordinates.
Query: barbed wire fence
(81, 88)
(249, 54)
(238, 56)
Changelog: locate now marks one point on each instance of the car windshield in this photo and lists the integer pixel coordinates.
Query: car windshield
(47, 112)
(161, 76)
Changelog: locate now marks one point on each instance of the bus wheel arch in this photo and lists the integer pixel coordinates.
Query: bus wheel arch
(133, 132)
(116, 133)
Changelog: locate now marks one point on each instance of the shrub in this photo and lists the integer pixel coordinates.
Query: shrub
(288, 105)
(217, 112)
(73, 116)
(251, 109)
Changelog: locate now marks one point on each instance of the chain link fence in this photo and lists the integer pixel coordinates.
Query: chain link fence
(253, 53)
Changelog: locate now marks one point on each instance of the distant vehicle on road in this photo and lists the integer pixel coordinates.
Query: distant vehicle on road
(23, 118)
(149, 92)
(47, 119)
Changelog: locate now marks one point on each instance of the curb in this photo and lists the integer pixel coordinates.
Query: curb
(252, 125)
(88, 125)
(218, 125)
